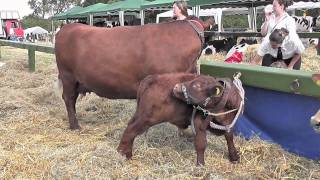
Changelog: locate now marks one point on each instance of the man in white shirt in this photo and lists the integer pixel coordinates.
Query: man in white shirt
(280, 45)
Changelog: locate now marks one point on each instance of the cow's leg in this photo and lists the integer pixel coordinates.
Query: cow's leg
(233, 154)
(185, 132)
(70, 96)
(200, 139)
(135, 127)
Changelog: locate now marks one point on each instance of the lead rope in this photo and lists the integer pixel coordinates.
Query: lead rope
(237, 82)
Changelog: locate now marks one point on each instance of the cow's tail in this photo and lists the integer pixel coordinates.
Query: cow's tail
(58, 88)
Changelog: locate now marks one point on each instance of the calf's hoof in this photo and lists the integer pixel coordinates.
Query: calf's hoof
(200, 164)
(126, 153)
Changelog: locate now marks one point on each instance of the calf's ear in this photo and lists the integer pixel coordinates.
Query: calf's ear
(216, 91)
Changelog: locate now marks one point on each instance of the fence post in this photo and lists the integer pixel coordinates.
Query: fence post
(31, 59)
(318, 47)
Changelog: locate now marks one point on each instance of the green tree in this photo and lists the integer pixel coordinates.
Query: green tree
(42, 8)
(59, 6)
(32, 20)
(235, 21)
(91, 2)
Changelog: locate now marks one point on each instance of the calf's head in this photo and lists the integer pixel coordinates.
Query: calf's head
(200, 91)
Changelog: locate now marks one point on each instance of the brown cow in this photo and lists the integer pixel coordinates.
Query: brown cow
(161, 99)
(112, 62)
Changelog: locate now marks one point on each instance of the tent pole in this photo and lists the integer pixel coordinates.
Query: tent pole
(142, 17)
(194, 10)
(220, 20)
(121, 18)
(197, 11)
(52, 33)
(255, 20)
(91, 19)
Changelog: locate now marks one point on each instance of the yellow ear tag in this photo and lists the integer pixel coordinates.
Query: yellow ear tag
(318, 82)
(217, 91)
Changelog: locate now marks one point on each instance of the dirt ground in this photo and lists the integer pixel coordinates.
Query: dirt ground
(35, 142)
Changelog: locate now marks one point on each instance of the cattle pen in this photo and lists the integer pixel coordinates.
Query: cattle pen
(32, 48)
(35, 142)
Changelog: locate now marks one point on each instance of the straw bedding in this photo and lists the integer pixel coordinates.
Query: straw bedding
(35, 142)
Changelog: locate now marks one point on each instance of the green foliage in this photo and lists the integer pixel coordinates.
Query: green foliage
(91, 2)
(240, 21)
(50, 7)
(235, 21)
(32, 20)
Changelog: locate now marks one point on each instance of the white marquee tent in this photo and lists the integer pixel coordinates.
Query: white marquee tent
(218, 12)
(215, 12)
(35, 30)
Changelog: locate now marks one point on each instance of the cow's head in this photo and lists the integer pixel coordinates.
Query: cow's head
(316, 22)
(202, 91)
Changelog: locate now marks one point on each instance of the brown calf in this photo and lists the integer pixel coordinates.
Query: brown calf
(161, 99)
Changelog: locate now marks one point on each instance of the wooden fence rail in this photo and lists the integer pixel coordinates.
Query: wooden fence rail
(258, 34)
(32, 48)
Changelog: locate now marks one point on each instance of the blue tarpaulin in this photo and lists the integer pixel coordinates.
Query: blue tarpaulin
(282, 118)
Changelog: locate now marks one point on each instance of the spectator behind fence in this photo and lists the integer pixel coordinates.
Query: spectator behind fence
(280, 46)
(180, 10)
(276, 17)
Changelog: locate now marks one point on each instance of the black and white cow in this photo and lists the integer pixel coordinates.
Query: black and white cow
(223, 45)
(209, 49)
(306, 24)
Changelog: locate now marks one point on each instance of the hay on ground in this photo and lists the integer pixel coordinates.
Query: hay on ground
(35, 142)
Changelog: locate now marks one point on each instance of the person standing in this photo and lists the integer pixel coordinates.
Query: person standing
(279, 18)
(180, 10)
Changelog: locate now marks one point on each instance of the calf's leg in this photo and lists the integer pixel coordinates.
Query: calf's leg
(200, 141)
(135, 127)
(70, 96)
(233, 154)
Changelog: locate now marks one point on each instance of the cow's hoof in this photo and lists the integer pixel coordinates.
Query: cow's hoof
(75, 127)
(234, 158)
